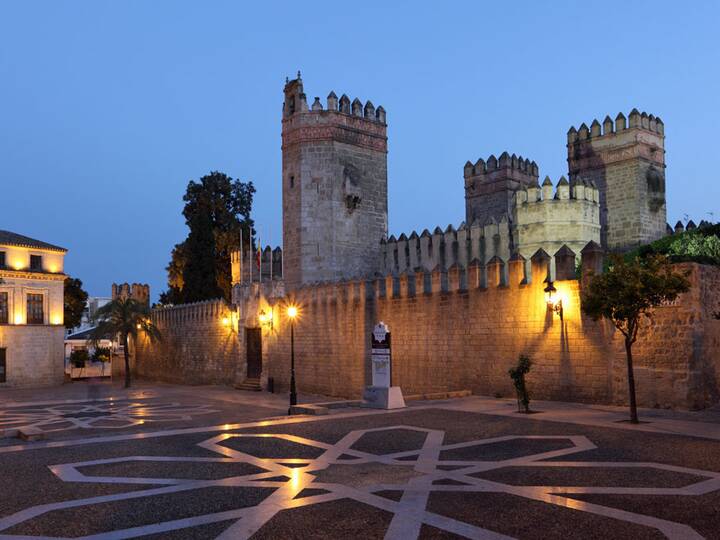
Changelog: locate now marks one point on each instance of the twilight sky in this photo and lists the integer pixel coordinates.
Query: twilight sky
(109, 108)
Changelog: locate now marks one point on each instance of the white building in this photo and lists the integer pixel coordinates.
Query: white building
(31, 311)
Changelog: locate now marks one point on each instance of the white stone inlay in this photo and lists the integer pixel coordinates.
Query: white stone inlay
(409, 514)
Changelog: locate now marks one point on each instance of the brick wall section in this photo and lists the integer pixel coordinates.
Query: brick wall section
(196, 347)
(449, 339)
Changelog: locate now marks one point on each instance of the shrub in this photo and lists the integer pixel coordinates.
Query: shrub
(517, 374)
(79, 358)
(101, 354)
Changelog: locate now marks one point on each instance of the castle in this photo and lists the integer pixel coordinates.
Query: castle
(462, 301)
(335, 208)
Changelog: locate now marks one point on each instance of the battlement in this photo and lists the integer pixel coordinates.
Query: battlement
(139, 292)
(641, 135)
(635, 120)
(443, 249)
(505, 162)
(490, 185)
(246, 269)
(510, 272)
(548, 218)
(578, 190)
(626, 160)
(296, 102)
(206, 311)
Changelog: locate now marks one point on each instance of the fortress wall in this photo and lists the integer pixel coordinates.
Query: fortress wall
(449, 333)
(448, 339)
(197, 348)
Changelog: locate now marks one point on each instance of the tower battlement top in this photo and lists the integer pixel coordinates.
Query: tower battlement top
(296, 102)
(635, 120)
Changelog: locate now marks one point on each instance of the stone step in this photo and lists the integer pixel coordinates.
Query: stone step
(314, 410)
(251, 385)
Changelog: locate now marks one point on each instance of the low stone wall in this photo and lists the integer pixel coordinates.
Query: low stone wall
(35, 355)
(196, 347)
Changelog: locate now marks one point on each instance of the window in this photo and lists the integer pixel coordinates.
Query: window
(4, 308)
(292, 181)
(2, 259)
(35, 262)
(35, 313)
(3, 365)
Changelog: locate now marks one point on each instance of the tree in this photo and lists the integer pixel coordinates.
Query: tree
(626, 295)
(217, 208)
(124, 317)
(178, 259)
(200, 273)
(74, 302)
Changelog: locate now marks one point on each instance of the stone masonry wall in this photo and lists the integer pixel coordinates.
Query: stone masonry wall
(197, 347)
(625, 158)
(35, 354)
(448, 340)
(334, 167)
(451, 333)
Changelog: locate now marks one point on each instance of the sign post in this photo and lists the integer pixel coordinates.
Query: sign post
(382, 394)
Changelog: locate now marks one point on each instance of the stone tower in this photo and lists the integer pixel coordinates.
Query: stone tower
(490, 186)
(626, 160)
(334, 177)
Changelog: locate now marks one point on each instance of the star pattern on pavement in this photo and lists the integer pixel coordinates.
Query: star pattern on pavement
(107, 414)
(431, 467)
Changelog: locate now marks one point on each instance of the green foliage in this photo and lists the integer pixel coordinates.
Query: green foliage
(626, 294)
(627, 291)
(127, 318)
(701, 245)
(102, 354)
(517, 374)
(217, 208)
(79, 357)
(74, 301)
(696, 246)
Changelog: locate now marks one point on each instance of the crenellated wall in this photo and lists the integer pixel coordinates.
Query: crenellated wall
(200, 345)
(443, 249)
(137, 291)
(625, 159)
(547, 218)
(490, 185)
(245, 269)
(455, 329)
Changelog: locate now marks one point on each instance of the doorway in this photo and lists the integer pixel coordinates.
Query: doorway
(253, 340)
(3, 365)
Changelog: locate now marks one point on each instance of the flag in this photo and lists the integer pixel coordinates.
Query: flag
(258, 254)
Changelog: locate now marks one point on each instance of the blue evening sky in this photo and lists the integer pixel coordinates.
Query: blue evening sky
(108, 108)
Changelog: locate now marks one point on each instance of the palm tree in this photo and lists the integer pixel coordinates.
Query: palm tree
(125, 317)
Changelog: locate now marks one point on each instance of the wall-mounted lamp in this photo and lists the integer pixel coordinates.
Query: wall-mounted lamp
(266, 318)
(226, 321)
(554, 304)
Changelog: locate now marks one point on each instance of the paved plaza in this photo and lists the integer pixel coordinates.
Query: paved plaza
(466, 468)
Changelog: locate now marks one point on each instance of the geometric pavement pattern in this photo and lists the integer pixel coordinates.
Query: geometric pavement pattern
(420, 469)
(105, 415)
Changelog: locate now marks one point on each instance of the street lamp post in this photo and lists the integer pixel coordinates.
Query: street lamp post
(292, 313)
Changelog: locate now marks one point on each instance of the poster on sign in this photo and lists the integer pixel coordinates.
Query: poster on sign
(381, 357)
(382, 394)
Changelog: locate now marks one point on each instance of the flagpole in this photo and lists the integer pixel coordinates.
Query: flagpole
(242, 277)
(271, 250)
